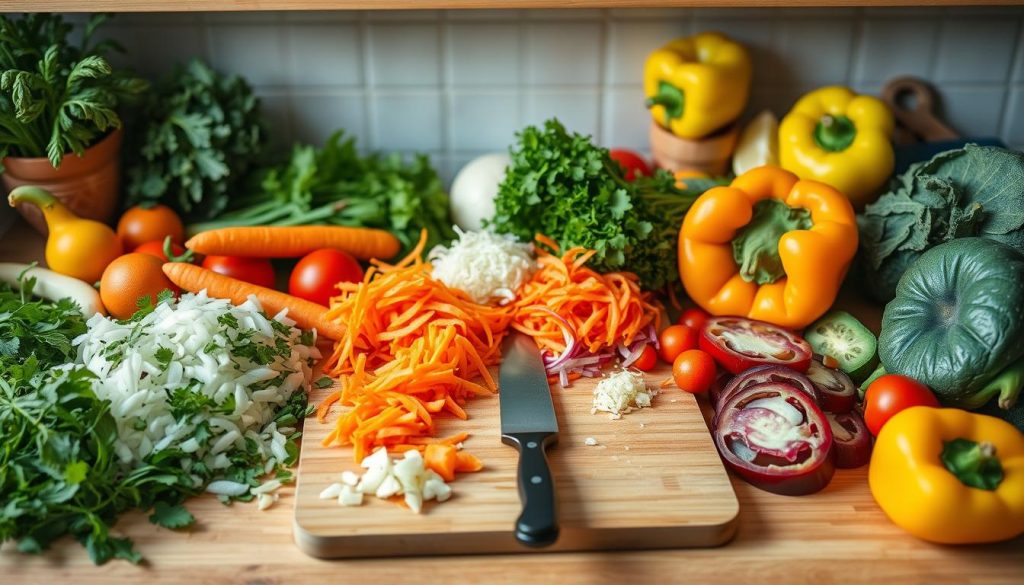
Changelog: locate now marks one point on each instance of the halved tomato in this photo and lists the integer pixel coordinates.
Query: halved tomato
(740, 344)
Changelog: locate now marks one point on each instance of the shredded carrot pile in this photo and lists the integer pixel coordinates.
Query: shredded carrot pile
(412, 348)
(602, 310)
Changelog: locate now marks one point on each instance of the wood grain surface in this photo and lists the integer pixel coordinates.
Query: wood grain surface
(838, 535)
(257, 5)
(654, 480)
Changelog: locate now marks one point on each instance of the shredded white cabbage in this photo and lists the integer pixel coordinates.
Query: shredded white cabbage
(488, 267)
(204, 377)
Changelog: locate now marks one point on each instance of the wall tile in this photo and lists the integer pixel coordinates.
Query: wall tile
(324, 55)
(405, 54)
(626, 122)
(484, 14)
(315, 116)
(254, 51)
(563, 53)
(483, 121)
(816, 51)
(894, 47)
(770, 70)
(629, 44)
(407, 120)
(1018, 74)
(976, 51)
(155, 50)
(577, 110)
(401, 15)
(1013, 130)
(973, 111)
(484, 54)
(276, 107)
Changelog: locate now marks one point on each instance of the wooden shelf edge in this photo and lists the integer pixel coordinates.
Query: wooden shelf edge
(267, 5)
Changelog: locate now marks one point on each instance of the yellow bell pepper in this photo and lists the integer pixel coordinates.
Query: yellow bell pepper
(840, 138)
(769, 247)
(697, 85)
(950, 476)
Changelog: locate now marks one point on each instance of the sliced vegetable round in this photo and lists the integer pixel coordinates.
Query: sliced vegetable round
(836, 392)
(851, 439)
(775, 437)
(841, 336)
(740, 344)
(764, 375)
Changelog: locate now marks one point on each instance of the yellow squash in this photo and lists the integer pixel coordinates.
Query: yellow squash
(840, 138)
(769, 247)
(697, 85)
(77, 247)
(950, 476)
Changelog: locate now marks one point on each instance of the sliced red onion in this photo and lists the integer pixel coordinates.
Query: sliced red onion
(836, 392)
(851, 438)
(761, 375)
(775, 437)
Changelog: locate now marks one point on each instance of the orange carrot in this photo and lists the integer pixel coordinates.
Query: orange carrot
(411, 350)
(441, 458)
(294, 241)
(306, 315)
(466, 462)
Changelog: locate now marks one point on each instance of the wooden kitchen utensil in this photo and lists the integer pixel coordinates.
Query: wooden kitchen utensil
(654, 480)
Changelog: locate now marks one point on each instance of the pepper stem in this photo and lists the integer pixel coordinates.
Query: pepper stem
(974, 464)
(756, 246)
(671, 98)
(834, 133)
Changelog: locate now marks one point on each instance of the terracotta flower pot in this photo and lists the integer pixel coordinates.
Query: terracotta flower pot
(708, 155)
(87, 184)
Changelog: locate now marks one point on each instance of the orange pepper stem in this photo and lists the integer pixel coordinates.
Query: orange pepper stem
(973, 463)
(756, 246)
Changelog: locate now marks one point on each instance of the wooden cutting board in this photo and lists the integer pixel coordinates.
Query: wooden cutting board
(653, 481)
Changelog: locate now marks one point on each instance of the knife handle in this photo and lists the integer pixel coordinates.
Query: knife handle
(537, 525)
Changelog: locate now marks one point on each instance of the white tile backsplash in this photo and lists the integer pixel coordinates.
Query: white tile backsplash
(457, 83)
(976, 50)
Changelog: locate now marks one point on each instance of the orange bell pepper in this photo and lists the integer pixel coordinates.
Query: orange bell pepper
(769, 247)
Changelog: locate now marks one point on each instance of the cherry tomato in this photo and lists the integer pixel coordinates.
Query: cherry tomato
(315, 276)
(694, 371)
(891, 394)
(675, 340)
(693, 318)
(156, 248)
(140, 224)
(258, 271)
(648, 358)
(632, 163)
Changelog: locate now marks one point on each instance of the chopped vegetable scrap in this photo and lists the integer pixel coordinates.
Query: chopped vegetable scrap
(412, 348)
(487, 266)
(621, 393)
(581, 318)
(411, 480)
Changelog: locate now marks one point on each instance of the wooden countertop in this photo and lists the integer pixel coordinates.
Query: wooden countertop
(836, 536)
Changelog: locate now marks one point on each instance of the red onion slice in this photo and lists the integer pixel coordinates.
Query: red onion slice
(836, 392)
(761, 375)
(851, 438)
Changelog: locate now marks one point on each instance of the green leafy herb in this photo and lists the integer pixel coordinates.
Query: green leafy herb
(336, 186)
(563, 186)
(971, 191)
(171, 516)
(324, 382)
(32, 327)
(203, 131)
(55, 97)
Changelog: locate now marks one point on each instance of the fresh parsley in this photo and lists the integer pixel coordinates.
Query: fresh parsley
(33, 327)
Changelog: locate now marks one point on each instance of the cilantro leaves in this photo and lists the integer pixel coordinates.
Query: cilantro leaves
(39, 328)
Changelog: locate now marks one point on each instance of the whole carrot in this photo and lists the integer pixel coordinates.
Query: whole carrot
(294, 241)
(306, 315)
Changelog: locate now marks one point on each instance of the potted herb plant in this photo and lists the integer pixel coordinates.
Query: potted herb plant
(59, 125)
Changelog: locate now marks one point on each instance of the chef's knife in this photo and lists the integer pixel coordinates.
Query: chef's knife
(528, 423)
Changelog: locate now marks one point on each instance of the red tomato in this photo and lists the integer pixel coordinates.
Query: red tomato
(890, 394)
(141, 224)
(315, 276)
(648, 358)
(675, 340)
(694, 371)
(258, 271)
(156, 248)
(693, 318)
(632, 163)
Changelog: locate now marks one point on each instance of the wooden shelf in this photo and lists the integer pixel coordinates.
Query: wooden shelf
(257, 5)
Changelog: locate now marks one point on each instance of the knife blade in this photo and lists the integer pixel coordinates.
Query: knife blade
(528, 423)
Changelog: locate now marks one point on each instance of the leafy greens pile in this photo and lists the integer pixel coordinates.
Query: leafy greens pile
(973, 191)
(566, 188)
(336, 186)
(36, 328)
(55, 97)
(203, 131)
